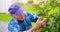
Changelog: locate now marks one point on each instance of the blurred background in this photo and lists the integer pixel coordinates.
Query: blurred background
(46, 8)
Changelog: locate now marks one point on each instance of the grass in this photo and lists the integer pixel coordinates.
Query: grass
(5, 17)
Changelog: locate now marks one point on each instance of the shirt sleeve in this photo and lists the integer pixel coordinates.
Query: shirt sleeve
(12, 27)
(32, 17)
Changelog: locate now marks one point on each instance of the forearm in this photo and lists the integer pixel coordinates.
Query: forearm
(33, 28)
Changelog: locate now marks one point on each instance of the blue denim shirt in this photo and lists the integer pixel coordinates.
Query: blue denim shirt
(21, 26)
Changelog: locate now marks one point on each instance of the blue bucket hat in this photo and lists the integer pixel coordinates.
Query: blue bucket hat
(15, 9)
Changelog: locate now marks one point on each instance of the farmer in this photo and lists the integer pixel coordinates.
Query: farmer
(21, 21)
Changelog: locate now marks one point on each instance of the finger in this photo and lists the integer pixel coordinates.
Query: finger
(43, 23)
(44, 20)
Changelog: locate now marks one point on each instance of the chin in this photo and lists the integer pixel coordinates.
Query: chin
(21, 19)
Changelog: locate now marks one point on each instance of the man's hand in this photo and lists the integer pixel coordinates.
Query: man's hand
(39, 24)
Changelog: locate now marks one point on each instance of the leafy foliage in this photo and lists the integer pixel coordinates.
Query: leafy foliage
(50, 10)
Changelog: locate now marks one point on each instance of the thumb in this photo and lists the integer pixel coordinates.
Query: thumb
(38, 18)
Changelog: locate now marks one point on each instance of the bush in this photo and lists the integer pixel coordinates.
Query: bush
(49, 10)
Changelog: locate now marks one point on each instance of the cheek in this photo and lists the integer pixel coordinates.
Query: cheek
(18, 17)
(22, 16)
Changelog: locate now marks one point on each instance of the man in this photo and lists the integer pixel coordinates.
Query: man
(21, 21)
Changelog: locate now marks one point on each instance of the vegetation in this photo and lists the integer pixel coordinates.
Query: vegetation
(50, 10)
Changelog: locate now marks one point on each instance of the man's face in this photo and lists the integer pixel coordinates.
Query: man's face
(20, 17)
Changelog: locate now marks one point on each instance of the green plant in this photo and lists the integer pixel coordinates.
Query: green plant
(5, 17)
(49, 10)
